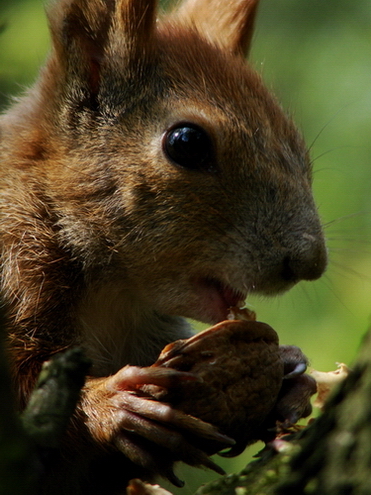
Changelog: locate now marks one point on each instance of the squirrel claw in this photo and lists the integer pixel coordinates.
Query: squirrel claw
(147, 431)
(133, 377)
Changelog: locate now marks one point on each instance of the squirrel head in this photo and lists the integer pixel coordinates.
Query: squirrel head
(168, 163)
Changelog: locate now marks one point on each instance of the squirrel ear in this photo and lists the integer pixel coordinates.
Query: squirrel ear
(227, 23)
(87, 33)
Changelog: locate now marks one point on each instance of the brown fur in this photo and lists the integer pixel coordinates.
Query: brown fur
(103, 238)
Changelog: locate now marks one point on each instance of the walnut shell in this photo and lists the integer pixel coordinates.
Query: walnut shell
(239, 371)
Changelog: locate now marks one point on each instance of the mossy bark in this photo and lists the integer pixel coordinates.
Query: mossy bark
(335, 454)
(27, 442)
(18, 464)
(330, 457)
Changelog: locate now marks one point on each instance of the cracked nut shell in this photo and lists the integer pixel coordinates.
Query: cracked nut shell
(239, 371)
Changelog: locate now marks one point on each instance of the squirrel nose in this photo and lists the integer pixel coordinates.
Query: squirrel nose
(308, 263)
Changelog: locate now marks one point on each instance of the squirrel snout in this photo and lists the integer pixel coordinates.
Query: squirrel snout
(306, 263)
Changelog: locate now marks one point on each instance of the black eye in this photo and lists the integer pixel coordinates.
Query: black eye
(189, 146)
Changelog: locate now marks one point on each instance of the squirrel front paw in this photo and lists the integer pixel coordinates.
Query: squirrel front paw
(294, 398)
(119, 414)
(297, 387)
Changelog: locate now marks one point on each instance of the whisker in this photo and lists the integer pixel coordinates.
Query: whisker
(354, 249)
(350, 251)
(356, 230)
(334, 116)
(307, 293)
(329, 151)
(326, 281)
(346, 217)
(349, 272)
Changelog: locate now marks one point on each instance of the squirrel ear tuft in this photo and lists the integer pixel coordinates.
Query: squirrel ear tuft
(86, 34)
(226, 23)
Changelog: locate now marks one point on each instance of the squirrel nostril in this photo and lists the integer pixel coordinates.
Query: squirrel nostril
(288, 272)
(309, 264)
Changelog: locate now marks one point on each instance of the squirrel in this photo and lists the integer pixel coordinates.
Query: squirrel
(147, 177)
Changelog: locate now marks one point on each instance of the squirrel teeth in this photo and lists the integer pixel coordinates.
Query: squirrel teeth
(237, 313)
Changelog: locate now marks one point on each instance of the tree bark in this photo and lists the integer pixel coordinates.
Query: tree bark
(18, 465)
(332, 456)
(28, 441)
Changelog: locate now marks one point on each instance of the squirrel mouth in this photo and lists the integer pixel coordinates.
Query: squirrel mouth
(216, 297)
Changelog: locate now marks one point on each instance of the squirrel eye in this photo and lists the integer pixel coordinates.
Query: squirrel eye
(189, 146)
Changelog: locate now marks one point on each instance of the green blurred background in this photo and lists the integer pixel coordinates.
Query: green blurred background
(316, 54)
